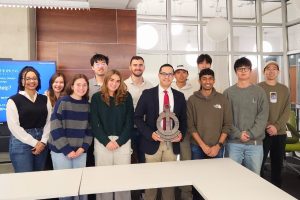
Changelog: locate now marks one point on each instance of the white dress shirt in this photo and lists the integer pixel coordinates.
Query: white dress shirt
(14, 123)
(161, 95)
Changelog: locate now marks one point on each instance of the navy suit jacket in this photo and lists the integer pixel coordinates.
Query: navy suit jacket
(146, 114)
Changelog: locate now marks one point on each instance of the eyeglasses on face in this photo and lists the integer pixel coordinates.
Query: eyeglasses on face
(164, 74)
(243, 69)
(31, 79)
(100, 64)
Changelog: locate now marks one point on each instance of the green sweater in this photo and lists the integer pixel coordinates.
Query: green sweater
(208, 116)
(250, 110)
(280, 108)
(111, 120)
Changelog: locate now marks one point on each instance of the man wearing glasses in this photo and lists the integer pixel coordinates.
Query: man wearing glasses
(99, 65)
(150, 105)
(250, 111)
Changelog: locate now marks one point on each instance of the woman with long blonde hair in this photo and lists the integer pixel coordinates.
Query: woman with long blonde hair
(112, 126)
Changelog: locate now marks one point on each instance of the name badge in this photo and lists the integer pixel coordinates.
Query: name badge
(273, 97)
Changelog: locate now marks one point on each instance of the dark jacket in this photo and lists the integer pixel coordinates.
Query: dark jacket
(146, 114)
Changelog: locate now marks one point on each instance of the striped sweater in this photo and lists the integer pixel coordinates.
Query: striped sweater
(70, 127)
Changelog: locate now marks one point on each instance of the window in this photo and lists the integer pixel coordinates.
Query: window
(182, 35)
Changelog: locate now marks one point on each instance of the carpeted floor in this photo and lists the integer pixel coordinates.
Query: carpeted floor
(290, 178)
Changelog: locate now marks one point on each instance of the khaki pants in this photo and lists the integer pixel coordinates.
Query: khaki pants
(104, 157)
(163, 154)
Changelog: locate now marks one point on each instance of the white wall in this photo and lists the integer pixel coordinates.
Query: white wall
(17, 33)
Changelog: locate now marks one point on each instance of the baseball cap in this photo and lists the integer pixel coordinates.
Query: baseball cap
(181, 67)
(271, 63)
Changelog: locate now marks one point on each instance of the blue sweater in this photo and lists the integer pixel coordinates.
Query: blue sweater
(70, 127)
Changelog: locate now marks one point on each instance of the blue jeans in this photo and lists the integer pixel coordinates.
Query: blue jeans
(60, 161)
(250, 156)
(198, 153)
(21, 155)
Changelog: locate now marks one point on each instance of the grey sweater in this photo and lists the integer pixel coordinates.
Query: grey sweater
(250, 110)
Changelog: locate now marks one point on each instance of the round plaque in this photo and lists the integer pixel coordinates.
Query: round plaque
(172, 125)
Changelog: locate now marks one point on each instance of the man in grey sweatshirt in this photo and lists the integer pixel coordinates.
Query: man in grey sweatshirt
(250, 110)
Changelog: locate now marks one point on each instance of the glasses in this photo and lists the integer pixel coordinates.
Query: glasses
(31, 79)
(164, 74)
(100, 65)
(243, 69)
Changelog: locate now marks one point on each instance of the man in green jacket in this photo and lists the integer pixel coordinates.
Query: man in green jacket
(279, 103)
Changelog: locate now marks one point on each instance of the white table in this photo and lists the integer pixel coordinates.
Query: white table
(214, 179)
(132, 177)
(226, 179)
(39, 185)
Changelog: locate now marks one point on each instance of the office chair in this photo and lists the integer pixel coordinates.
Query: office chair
(292, 143)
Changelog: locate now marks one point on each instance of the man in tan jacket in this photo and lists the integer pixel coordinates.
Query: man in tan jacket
(279, 104)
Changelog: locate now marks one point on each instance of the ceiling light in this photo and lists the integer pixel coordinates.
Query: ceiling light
(147, 37)
(218, 29)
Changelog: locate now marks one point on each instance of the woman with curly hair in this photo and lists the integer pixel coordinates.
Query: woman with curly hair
(28, 119)
(112, 125)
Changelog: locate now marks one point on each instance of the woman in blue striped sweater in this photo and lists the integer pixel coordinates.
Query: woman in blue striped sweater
(70, 135)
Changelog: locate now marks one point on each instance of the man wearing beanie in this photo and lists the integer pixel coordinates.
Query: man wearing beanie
(250, 111)
(279, 103)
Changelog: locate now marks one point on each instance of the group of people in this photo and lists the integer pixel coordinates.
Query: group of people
(103, 120)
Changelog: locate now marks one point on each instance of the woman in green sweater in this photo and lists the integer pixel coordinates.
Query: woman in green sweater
(112, 125)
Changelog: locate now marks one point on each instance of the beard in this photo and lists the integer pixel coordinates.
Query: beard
(137, 75)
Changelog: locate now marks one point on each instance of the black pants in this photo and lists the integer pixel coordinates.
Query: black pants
(276, 146)
(137, 156)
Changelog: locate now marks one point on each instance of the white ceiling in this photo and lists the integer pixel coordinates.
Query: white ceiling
(113, 4)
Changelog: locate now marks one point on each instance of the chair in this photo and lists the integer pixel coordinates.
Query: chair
(292, 143)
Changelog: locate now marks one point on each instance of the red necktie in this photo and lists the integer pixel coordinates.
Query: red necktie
(166, 102)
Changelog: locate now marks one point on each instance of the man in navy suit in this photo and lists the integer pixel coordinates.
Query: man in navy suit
(149, 106)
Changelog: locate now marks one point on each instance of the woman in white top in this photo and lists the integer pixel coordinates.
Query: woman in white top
(28, 118)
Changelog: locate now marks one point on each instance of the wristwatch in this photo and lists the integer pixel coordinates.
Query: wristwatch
(220, 144)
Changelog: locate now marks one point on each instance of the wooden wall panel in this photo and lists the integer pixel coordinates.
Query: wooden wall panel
(91, 26)
(71, 37)
(47, 51)
(293, 84)
(118, 54)
(126, 26)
